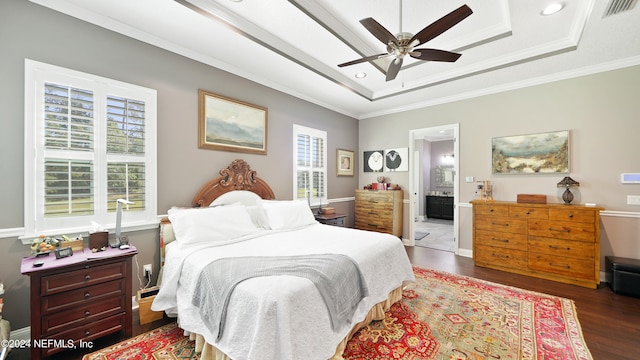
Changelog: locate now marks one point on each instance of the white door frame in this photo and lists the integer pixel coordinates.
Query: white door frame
(413, 187)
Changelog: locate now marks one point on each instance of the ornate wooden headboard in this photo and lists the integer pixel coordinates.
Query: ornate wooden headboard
(237, 176)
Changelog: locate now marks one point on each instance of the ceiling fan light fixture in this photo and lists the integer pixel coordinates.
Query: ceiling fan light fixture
(552, 9)
(361, 75)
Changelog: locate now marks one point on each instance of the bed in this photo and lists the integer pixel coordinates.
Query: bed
(279, 313)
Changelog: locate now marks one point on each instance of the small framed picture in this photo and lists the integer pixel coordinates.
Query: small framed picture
(345, 162)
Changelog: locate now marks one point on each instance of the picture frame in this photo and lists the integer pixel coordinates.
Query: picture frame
(396, 159)
(231, 125)
(373, 161)
(345, 162)
(543, 153)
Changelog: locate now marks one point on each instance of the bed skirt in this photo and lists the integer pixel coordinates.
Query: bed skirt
(210, 352)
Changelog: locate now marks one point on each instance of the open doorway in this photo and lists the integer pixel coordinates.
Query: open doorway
(434, 187)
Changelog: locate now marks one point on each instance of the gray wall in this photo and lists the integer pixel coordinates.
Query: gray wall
(31, 31)
(601, 111)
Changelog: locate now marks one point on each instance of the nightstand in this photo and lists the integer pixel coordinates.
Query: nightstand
(79, 298)
(335, 219)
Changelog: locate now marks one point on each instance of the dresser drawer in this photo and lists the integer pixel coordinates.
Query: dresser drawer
(87, 332)
(491, 210)
(501, 224)
(80, 315)
(375, 211)
(572, 214)
(80, 297)
(373, 224)
(503, 257)
(501, 239)
(374, 197)
(563, 266)
(561, 248)
(562, 230)
(526, 212)
(81, 277)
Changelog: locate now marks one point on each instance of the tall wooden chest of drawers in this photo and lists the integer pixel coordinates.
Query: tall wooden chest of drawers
(379, 210)
(550, 241)
(78, 299)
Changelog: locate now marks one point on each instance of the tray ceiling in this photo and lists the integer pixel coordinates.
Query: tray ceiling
(295, 46)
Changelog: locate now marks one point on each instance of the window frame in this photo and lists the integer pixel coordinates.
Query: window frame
(303, 130)
(35, 223)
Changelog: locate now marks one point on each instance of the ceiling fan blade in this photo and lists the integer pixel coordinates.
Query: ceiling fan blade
(394, 68)
(434, 55)
(379, 31)
(441, 25)
(364, 59)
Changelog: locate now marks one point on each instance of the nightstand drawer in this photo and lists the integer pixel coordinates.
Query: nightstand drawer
(79, 297)
(79, 315)
(83, 276)
(87, 332)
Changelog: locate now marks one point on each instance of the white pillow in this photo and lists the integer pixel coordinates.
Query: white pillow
(211, 224)
(287, 214)
(251, 201)
(236, 196)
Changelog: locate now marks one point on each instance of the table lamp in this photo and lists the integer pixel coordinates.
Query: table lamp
(121, 241)
(567, 183)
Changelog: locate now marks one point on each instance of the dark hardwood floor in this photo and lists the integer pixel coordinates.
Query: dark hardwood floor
(610, 323)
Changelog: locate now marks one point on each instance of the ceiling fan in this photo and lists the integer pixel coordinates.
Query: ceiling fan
(404, 43)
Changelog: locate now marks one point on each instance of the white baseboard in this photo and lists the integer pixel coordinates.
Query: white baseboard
(465, 252)
(21, 334)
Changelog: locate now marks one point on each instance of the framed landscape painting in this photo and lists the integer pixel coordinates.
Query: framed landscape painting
(531, 154)
(231, 125)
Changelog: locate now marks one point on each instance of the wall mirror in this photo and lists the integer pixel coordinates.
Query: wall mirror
(444, 176)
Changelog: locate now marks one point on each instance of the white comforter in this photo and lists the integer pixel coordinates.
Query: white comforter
(281, 317)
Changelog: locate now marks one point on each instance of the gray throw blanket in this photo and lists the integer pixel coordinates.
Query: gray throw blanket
(336, 276)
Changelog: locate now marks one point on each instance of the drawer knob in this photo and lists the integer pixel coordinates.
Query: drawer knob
(87, 313)
(87, 295)
(87, 333)
(87, 277)
(528, 212)
(570, 215)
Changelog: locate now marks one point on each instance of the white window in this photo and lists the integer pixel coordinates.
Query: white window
(310, 165)
(88, 142)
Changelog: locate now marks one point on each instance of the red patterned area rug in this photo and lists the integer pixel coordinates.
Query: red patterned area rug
(441, 316)
(447, 316)
(164, 343)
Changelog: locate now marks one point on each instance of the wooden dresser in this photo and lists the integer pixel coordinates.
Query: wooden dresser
(379, 210)
(550, 241)
(77, 299)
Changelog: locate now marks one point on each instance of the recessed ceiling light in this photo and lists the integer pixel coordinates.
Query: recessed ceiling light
(361, 75)
(552, 9)
(236, 0)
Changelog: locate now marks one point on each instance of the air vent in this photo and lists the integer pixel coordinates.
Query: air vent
(618, 6)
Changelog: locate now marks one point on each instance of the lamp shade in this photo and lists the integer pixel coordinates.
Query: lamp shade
(568, 182)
